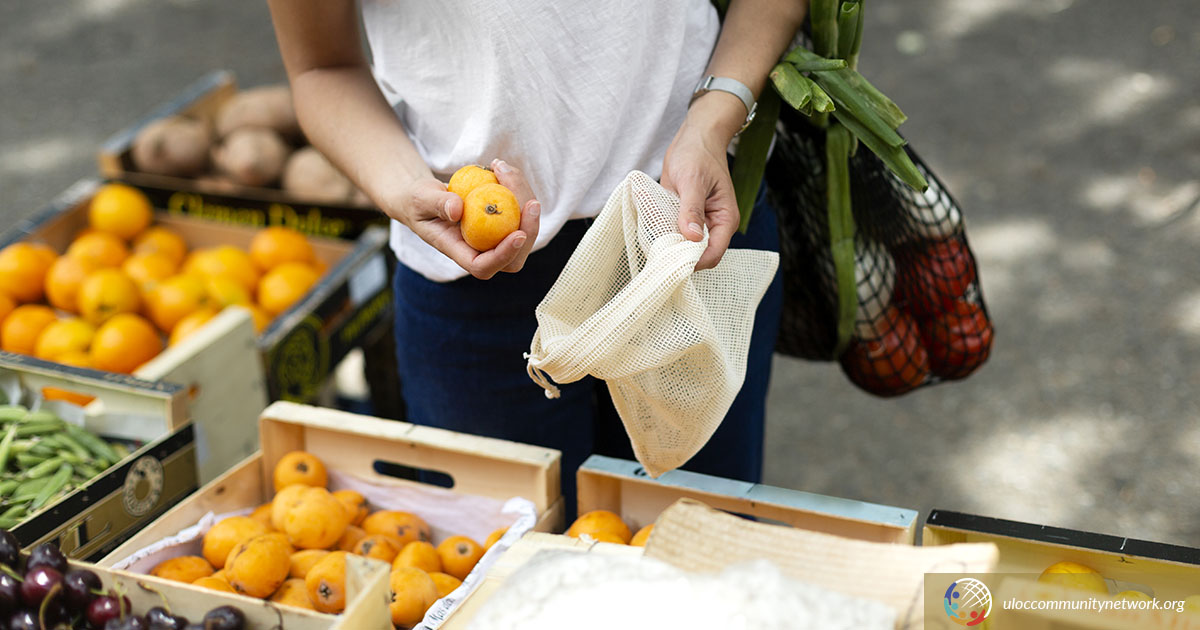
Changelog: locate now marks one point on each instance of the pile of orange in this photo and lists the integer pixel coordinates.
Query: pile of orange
(123, 285)
(293, 550)
(606, 526)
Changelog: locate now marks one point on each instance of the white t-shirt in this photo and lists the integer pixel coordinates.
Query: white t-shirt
(576, 94)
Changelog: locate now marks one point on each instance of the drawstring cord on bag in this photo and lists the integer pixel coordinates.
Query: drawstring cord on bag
(540, 378)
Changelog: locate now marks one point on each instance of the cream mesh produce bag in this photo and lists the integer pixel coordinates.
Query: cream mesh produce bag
(629, 309)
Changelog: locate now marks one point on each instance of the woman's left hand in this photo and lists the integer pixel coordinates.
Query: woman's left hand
(697, 169)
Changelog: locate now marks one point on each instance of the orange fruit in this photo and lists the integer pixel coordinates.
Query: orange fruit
(108, 292)
(490, 213)
(285, 499)
(262, 514)
(228, 533)
(300, 467)
(146, 269)
(226, 291)
(123, 343)
(304, 560)
(445, 583)
(214, 584)
(75, 358)
(419, 555)
(23, 268)
(413, 592)
(63, 280)
(260, 317)
(470, 177)
(284, 285)
(20, 330)
(598, 521)
(190, 324)
(639, 539)
(1076, 576)
(326, 583)
(120, 210)
(317, 520)
(183, 569)
(293, 592)
(277, 245)
(45, 251)
(404, 526)
(350, 538)
(459, 555)
(175, 298)
(223, 260)
(100, 248)
(6, 306)
(256, 567)
(378, 546)
(63, 336)
(354, 503)
(494, 537)
(161, 240)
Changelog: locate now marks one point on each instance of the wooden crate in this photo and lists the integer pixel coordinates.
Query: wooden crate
(94, 518)
(229, 371)
(366, 595)
(1164, 571)
(257, 207)
(353, 444)
(623, 487)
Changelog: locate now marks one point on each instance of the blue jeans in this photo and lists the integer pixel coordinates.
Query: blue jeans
(459, 347)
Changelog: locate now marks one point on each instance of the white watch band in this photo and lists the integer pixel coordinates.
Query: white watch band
(734, 87)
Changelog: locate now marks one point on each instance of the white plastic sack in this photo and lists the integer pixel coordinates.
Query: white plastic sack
(629, 308)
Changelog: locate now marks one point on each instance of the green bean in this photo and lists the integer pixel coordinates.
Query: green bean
(9, 523)
(57, 483)
(12, 413)
(27, 429)
(69, 457)
(29, 486)
(42, 447)
(97, 446)
(89, 472)
(22, 446)
(74, 446)
(15, 511)
(7, 486)
(42, 415)
(6, 446)
(29, 460)
(44, 468)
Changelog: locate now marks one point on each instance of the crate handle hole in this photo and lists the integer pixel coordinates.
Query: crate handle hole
(420, 475)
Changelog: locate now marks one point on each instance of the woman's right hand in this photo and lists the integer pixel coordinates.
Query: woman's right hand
(433, 213)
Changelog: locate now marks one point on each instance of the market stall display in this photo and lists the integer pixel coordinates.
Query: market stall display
(215, 152)
(86, 460)
(353, 460)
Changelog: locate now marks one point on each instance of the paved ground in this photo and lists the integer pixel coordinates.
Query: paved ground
(1070, 132)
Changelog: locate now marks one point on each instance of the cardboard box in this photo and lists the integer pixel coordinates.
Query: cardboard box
(229, 372)
(94, 518)
(622, 486)
(256, 207)
(361, 446)
(1168, 572)
(367, 593)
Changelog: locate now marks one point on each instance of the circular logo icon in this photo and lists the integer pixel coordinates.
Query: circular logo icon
(297, 364)
(968, 602)
(143, 486)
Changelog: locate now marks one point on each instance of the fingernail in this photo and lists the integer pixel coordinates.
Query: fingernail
(500, 166)
(519, 241)
(696, 229)
(535, 209)
(446, 208)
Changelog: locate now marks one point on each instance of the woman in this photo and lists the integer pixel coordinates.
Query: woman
(562, 99)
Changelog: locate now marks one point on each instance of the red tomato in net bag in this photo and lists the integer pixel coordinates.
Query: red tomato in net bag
(892, 363)
(959, 341)
(938, 274)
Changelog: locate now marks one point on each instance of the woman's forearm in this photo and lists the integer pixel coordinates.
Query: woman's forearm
(753, 37)
(338, 104)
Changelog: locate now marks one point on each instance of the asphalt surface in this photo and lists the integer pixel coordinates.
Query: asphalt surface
(1068, 130)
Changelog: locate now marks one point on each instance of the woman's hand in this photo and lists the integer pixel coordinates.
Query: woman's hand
(433, 213)
(697, 170)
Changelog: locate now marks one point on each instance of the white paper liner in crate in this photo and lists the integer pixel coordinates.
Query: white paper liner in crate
(448, 513)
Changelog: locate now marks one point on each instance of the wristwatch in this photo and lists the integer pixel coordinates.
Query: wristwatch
(734, 87)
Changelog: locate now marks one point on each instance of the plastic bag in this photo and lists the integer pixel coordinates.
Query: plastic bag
(629, 308)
